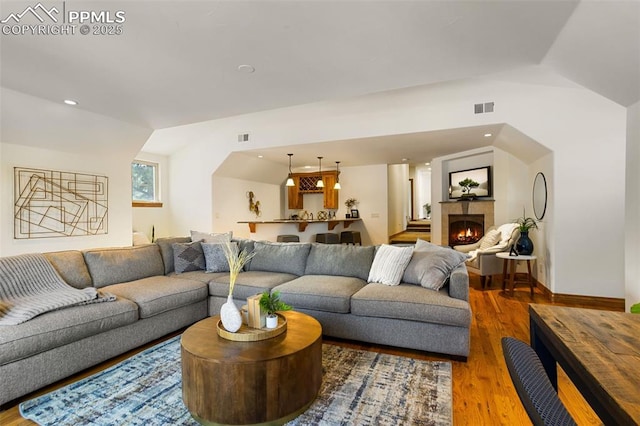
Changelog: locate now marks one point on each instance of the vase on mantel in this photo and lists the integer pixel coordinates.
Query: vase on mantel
(230, 315)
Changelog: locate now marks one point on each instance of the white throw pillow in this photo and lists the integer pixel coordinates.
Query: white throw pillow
(207, 237)
(490, 239)
(389, 264)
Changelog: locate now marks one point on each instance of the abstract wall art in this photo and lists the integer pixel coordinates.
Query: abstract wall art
(50, 203)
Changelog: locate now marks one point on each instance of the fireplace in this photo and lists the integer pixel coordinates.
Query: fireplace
(465, 228)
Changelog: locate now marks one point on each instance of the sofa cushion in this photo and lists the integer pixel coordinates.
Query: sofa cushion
(290, 258)
(202, 276)
(166, 249)
(410, 302)
(431, 265)
(389, 264)
(71, 267)
(188, 257)
(341, 260)
(244, 244)
(156, 295)
(117, 265)
(321, 292)
(57, 328)
(248, 283)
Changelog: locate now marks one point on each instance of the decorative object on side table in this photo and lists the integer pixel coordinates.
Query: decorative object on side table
(524, 245)
(229, 313)
(271, 303)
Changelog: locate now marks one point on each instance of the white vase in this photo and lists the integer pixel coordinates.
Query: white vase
(230, 316)
(272, 321)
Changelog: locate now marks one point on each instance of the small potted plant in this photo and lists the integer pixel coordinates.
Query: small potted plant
(271, 303)
(524, 245)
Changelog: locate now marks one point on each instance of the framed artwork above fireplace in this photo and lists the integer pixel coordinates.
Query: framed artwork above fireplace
(481, 187)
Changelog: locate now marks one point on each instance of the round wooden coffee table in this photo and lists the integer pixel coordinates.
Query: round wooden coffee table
(240, 383)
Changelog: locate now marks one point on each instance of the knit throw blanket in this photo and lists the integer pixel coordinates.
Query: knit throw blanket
(30, 286)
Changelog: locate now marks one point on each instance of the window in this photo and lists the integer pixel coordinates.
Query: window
(144, 184)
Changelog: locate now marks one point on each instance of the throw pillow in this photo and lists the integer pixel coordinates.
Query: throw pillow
(188, 257)
(214, 257)
(490, 239)
(389, 264)
(431, 265)
(212, 237)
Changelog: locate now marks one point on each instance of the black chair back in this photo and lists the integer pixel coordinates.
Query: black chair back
(533, 386)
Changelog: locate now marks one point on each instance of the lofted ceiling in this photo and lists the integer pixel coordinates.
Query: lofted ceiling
(177, 62)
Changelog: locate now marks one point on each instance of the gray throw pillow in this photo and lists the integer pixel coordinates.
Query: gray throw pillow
(188, 257)
(289, 258)
(247, 245)
(215, 259)
(431, 265)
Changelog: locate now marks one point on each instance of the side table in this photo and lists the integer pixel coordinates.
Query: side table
(512, 262)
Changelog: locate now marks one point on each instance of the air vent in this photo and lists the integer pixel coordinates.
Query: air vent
(483, 108)
(243, 137)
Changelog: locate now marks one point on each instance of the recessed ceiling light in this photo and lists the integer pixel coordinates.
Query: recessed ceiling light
(70, 102)
(246, 69)
(404, 160)
(260, 156)
(426, 164)
(488, 135)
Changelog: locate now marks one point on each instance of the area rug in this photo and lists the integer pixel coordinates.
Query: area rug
(358, 388)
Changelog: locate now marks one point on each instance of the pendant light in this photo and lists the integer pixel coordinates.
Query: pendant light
(290, 181)
(320, 183)
(337, 185)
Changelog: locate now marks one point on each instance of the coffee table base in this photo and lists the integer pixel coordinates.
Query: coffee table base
(251, 383)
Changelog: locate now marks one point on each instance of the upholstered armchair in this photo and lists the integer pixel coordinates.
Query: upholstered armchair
(483, 260)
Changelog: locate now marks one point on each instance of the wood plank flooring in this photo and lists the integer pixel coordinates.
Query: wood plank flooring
(482, 389)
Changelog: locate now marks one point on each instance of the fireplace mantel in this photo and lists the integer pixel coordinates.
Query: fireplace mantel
(483, 207)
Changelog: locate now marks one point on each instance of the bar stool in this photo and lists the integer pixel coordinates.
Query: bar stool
(350, 237)
(328, 238)
(288, 239)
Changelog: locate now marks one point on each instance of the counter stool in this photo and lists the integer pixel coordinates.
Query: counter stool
(350, 237)
(288, 239)
(328, 238)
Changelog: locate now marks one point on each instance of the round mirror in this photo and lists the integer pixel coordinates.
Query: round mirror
(539, 196)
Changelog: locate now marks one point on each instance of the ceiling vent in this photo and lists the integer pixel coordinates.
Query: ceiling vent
(243, 137)
(482, 108)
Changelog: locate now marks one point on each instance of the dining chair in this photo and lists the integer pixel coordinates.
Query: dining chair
(539, 398)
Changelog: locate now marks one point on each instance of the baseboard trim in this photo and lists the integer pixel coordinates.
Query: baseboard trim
(596, 302)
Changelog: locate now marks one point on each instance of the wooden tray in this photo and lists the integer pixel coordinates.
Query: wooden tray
(250, 334)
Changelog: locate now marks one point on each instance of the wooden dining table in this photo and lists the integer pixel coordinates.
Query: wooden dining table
(599, 351)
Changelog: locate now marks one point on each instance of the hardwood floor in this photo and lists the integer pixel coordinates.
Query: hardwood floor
(482, 389)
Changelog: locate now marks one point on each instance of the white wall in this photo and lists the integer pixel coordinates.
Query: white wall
(159, 218)
(579, 126)
(119, 213)
(397, 183)
(422, 190)
(632, 210)
(231, 205)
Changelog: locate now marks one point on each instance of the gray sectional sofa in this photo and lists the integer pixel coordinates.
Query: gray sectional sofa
(328, 282)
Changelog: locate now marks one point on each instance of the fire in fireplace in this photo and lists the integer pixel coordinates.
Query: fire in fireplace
(465, 228)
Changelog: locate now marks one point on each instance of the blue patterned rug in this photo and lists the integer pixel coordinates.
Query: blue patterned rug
(358, 388)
